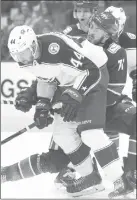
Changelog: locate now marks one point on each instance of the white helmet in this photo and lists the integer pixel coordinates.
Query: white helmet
(21, 38)
(120, 15)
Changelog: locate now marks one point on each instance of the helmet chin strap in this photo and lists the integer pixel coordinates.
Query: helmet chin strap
(34, 52)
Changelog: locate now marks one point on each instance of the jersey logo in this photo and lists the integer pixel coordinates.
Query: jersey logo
(54, 48)
(131, 36)
(67, 30)
(113, 48)
(22, 31)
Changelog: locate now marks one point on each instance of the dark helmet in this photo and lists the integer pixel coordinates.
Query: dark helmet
(93, 5)
(107, 22)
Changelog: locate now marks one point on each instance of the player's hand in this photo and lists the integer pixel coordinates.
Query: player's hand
(71, 100)
(24, 100)
(41, 116)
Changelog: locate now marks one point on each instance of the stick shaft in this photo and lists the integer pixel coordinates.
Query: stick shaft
(20, 132)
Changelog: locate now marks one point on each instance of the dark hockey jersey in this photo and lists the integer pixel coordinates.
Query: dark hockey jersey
(127, 40)
(117, 62)
(67, 63)
(117, 68)
(75, 31)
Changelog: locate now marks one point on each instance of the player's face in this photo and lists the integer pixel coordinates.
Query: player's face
(95, 33)
(83, 15)
(24, 57)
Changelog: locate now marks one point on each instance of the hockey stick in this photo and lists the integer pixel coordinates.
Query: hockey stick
(27, 128)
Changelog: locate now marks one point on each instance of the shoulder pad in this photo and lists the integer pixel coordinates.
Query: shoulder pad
(131, 36)
(113, 48)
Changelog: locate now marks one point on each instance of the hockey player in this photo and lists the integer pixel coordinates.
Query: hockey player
(128, 42)
(121, 113)
(83, 11)
(125, 39)
(60, 63)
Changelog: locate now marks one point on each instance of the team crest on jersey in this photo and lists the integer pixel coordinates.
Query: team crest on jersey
(54, 48)
(131, 36)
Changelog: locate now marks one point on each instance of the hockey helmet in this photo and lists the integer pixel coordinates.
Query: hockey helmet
(120, 15)
(107, 22)
(20, 39)
(93, 5)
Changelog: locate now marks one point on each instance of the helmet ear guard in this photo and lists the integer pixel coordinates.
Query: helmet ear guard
(33, 48)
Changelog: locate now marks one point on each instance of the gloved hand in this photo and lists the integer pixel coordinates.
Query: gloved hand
(41, 116)
(71, 100)
(133, 76)
(25, 100)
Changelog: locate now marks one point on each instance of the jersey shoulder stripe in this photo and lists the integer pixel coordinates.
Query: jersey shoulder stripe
(113, 48)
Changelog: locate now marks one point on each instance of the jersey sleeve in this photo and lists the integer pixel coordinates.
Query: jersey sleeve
(70, 63)
(117, 68)
(46, 89)
(127, 40)
(95, 59)
(87, 80)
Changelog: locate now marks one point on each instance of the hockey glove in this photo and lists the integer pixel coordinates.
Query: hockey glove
(133, 75)
(41, 116)
(71, 100)
(26, 98)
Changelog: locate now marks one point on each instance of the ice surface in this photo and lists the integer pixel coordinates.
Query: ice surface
(41, 186)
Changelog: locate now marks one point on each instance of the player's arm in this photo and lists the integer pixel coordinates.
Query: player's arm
(45, 92)
(128, 41)
(117, 68)
(131, 60)
(84, 83)
(26, 98)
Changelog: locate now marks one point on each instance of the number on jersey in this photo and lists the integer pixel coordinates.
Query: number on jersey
(121, 64)
(77, 63)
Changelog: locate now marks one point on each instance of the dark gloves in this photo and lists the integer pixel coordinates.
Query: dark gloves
(26, 98)
(71, 100)
(41, 116)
